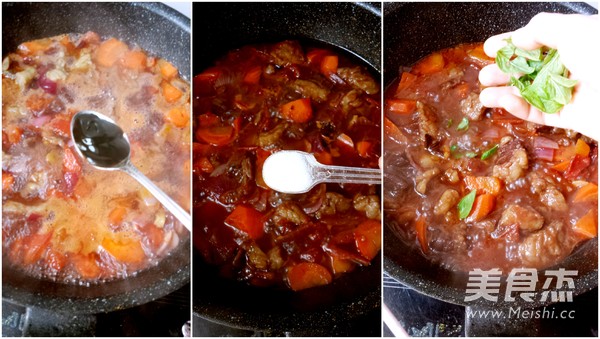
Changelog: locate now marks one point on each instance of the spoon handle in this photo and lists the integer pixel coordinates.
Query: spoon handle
(352, 175)
(173, 207)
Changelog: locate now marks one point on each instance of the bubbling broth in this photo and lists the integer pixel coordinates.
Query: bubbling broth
(62, 219)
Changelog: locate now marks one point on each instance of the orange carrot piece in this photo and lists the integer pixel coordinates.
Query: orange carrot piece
(298, 110)
(406, 80)
(329, 64)
(339, 265)
(401, 106)
(14, 134)
(261, 156)
(343, 140)
(71, 161)
(483, 205)
(589, 192)
(489, 185)
(34, 47)
(167, 70)
(368, 238)
(7, 181)
(135, 60)
(205, 165)
(561, 166)
(582, 148)
(431, 64)
(364, 148)
(392, 131)
(110, 51)
(86, 265)
(61, 126)
(421, 230)
(35, 246)
(479, 54)
(117, 215)
(587, 225)
(565, 153)
(124, 250)
(247, 220)
(170, 92)
(253, 75)
(315, 56)
(324, 157)
(306, 275)
(69, 46)
(217, 135)
(179, 116)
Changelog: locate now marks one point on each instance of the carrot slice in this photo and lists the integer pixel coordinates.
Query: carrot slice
(587, 226)
(217, 135)
(7, 181)
(581, 148)
(247, 220)
(421, 230)
(401, 106)
(339, 265)
(298, 110)
(489, 185)
(167, 70)
(110, 51)
(253, 75)
(35, 246)
(406, 80)
(364, 148)
(431, 64)
(61, 126)
(125, 250)
(392, 131)
(329, 64)
(483, 205)
(324, 157)
(178, 116)
(315, 56)
(71, 161)
(170, 92)
(561, 166)
(306, 275)
(589, 192)
(86, 265)
(135, 60)
(368, 238)
(117, 215)
(34, 47)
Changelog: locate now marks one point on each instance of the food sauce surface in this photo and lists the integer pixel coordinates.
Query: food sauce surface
(472, 187)
(62, 219)
(261, 99)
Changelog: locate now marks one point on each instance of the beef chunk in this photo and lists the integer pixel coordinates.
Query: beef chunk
(472, 107)
(358, 78)
(527, 218)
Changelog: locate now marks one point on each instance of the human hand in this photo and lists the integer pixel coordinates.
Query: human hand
(571, 35)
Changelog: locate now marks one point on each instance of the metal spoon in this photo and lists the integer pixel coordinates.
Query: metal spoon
(298, 172)
(105, 146)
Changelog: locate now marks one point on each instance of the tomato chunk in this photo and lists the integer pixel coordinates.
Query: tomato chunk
(307, 275)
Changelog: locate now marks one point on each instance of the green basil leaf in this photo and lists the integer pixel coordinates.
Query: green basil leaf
(503, 57)
(453, 148)
(466, 204)
(520, 65)
(535, 55)
(489, 152)
(463, 125)
(563, 81)
(518, 83)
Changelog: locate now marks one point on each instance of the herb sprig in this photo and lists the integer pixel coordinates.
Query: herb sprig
(544, 82)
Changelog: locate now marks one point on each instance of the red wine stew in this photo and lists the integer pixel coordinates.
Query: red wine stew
(261, 99)
(62, 219)
(473, 187)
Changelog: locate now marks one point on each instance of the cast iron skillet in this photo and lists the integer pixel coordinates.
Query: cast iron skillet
(414, 30)
(157, 29)
(325, 311)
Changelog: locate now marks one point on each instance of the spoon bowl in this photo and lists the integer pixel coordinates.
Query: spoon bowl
(104, 145)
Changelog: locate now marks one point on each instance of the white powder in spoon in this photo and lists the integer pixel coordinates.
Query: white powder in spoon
(288, 172)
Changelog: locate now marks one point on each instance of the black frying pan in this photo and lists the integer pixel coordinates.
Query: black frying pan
(412, 31)
(329, 310)
(157, 29)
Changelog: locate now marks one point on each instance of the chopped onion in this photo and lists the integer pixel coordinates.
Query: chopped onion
(544, 153)
(541, 142)
(490, 133)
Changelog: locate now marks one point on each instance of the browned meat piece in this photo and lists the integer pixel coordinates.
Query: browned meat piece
(351, 100)
(543, 247)
(291, 212)
(547, 191)
(359, 78)
(287, 53)
(257, 257)
(526, 217)
(448, 200)
(311, 90)
(369, 204)
(471, 107)
(449, 238)
(424, 178)
(268, 139)
(514, 168)
(333, 203)
(427, 123)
